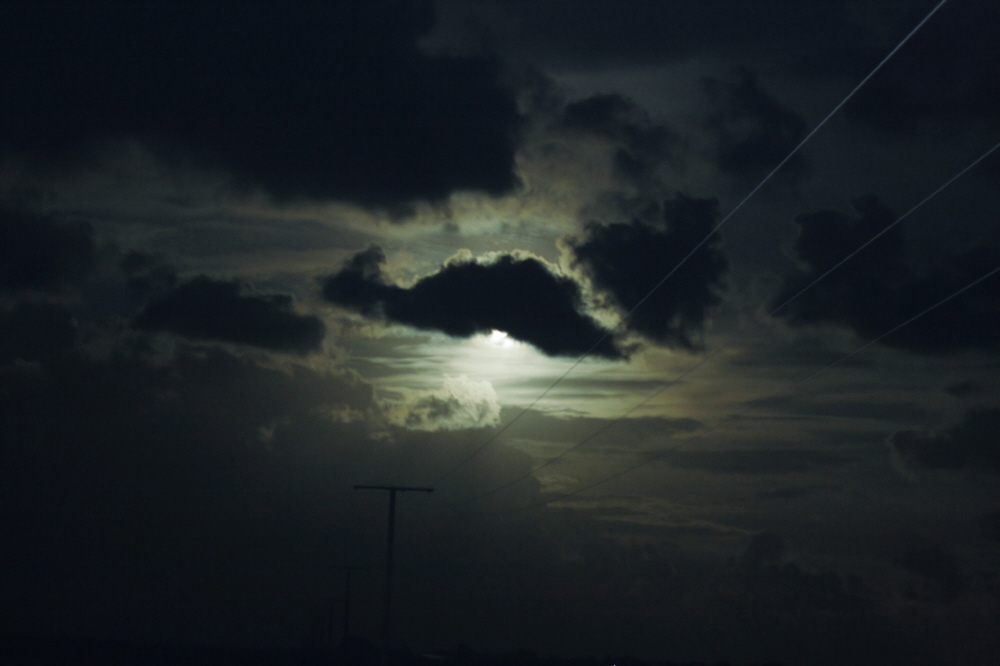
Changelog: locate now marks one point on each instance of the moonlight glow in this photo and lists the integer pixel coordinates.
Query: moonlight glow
(253, 255)
(501, 339)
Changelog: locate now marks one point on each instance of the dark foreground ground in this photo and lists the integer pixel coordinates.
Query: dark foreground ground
(92, 652)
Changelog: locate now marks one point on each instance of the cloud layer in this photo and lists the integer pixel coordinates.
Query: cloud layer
(460, 403)
(971, 444)
(519, 296)
(209, 309)
(880, 289)
(306, 99)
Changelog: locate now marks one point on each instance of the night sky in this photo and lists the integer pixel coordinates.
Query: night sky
(254, 253)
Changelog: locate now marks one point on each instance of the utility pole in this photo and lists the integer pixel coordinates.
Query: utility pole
(347, 603)
(388, 557)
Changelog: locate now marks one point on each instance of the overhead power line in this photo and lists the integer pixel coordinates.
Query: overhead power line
(729, 344)
(683, 261)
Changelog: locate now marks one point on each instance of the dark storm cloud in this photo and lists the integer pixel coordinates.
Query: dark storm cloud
(518, 296)
(39, 253)
(753, 131)
(307, 99)
(642, 144)
(35, 332)
(879, 289)
(625, 261)
(971, 444)
(208, 309)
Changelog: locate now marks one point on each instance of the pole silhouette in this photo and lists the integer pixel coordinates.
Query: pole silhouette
(388, 557)
(347, 604)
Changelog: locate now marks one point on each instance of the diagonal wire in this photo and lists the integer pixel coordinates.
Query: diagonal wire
(718, 226)
(731, 417)
(731, 342)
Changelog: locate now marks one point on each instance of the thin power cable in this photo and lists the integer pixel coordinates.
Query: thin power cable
(683, 261)
(660, 454)
(730, 343)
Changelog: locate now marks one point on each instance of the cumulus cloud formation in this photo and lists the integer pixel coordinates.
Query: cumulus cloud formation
(459, 404)
(879, 289)
(38, 253)
(626, 260)
(208, 309)
(972, 444)
(306, 99)
(753, 131)
(519, 296)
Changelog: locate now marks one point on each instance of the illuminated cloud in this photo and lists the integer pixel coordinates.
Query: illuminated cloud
(459, 404)
(519, 296)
